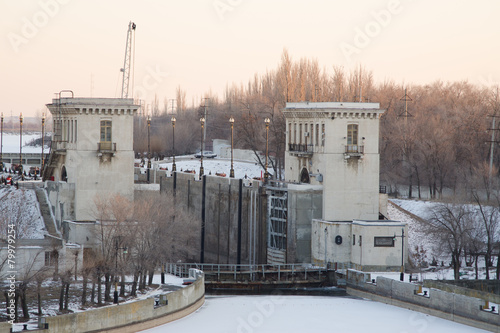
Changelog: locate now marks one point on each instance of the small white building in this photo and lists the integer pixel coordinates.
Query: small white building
(335, 145)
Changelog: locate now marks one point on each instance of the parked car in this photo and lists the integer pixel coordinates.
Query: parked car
(206, 154)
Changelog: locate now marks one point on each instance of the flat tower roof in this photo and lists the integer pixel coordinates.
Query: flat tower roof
(332, 105)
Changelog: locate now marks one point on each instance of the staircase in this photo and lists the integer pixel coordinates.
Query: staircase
(45, 210)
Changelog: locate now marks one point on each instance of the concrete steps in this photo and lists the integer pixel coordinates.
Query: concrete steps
(45, 211)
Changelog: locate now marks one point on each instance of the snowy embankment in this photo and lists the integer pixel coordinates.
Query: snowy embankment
(429, 248)
(20, 207)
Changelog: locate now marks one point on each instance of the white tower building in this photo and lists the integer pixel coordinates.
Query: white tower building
(92, 152)
(335, 144)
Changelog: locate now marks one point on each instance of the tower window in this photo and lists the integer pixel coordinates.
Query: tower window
(105, 130)
(105, 142)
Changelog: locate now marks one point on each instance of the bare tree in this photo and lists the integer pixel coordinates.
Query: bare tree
(450, 224)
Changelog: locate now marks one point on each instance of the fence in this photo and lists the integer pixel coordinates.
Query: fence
(253, 272)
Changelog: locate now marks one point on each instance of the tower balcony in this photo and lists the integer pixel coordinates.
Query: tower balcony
(300, 149)
(354, 150)
(106, 147)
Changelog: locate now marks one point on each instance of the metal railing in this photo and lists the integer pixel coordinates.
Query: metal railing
(296, 147)
(354, 149)
(217, 270)
(106, 146)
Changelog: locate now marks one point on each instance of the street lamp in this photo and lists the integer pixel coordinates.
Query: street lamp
(266, 174)
(21, 143)
(149, 144)
(231, 172)
(402, 274)
(173, 144)
(1, 142)
(202, 121)
(43, 141)
(115, 294)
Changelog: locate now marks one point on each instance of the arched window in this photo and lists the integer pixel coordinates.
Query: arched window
(64, 175)
(304, 176)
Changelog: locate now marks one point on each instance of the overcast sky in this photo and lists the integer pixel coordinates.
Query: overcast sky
(51, 45)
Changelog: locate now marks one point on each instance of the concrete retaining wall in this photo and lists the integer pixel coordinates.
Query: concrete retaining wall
(221, 215)
(465, 291)
(131, 317)
(448, 305)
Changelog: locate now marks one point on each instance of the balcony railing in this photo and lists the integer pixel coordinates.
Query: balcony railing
(106, 146)
(354, 149)
(301, 148)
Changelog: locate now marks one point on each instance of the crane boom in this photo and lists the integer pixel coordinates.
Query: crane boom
(128, 59)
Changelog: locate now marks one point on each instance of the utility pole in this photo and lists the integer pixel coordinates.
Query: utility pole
(402, 274)
(406, 114)
(493, 141)
(172, 101)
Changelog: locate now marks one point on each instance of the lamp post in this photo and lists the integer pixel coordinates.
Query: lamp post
(43, 142)
(402, 274)
(21, 143)
(202, 121)
(149, 144)
(1, 142)
(266, 174)
(231, 172)
(173, 144)
(115, 294)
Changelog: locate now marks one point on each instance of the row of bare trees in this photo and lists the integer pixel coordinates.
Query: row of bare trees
(134, 239)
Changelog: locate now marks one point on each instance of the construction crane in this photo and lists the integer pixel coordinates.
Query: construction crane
(127, 64)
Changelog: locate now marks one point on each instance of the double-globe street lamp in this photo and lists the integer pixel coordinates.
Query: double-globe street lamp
(1, 142)
(21, 144)
(231, 172)
(174, 168)
(202, 121)
(149, 144)
(266, 174)
(43, 143)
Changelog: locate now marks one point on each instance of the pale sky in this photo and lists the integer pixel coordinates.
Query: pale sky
(52, 45)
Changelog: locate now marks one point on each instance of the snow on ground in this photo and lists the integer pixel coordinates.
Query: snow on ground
(20, 207)
(249, 314)
(217, 165)
(419, 236)
(11, 143)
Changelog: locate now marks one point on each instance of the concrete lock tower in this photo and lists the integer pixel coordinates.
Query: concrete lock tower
(336, 145)
(91, 153)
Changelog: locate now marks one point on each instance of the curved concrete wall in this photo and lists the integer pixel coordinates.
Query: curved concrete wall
(448, 305)
(134, 316)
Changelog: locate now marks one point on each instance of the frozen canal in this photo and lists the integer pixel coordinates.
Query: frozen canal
(266, 314)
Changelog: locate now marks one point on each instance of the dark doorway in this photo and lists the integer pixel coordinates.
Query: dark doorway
(304, 176)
